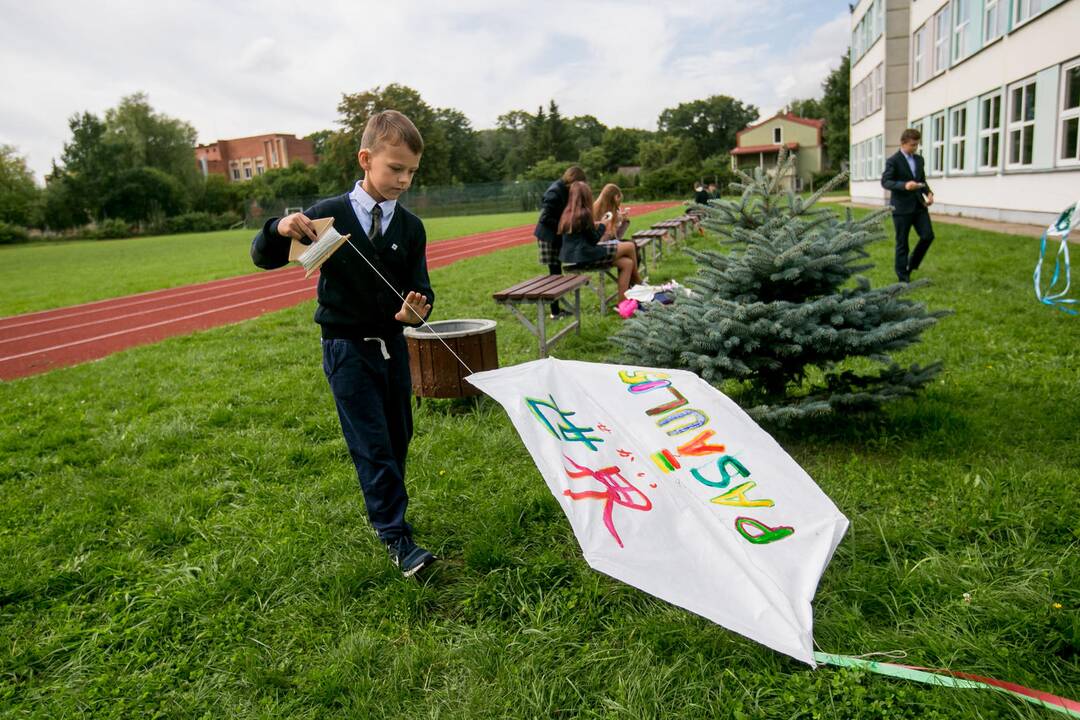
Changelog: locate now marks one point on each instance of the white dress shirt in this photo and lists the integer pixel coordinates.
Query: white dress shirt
(363, 204)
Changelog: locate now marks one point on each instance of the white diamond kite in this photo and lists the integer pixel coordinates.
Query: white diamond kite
(672, 488)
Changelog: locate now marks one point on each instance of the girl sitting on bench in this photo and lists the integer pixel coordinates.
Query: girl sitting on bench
(586, 243)
(609, 202)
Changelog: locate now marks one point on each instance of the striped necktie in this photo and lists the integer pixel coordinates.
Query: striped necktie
(375, 233)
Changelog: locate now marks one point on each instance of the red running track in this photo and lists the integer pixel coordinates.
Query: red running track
(40, 341)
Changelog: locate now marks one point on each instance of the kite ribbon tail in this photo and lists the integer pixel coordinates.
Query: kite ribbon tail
(951, 678)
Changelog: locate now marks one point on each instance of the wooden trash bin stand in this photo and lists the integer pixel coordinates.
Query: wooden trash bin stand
(435, 372)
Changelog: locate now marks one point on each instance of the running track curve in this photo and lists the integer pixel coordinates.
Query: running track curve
(41, 341)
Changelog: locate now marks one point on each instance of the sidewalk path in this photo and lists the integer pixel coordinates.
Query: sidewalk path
(40, 341)
(1008, 228)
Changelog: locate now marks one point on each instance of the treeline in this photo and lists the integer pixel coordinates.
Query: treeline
(133, 169)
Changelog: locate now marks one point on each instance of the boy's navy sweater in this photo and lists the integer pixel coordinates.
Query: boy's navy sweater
(354, 302)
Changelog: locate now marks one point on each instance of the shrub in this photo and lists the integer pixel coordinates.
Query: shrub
(11, 234)
(107, 230)
(819, 179)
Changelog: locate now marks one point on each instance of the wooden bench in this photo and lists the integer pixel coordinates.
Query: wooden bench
(653, 238)
(541, 291)
(604, 271)
(675, 226)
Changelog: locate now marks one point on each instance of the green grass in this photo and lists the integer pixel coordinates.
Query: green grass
(183, 535)
(40, 276)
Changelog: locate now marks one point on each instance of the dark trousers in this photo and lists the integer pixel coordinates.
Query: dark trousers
(920, 220)
(373, 395)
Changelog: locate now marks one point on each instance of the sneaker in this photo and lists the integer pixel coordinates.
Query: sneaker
(409, 557)
(560, 313)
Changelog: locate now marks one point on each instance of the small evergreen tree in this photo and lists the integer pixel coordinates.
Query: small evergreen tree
(784, 318)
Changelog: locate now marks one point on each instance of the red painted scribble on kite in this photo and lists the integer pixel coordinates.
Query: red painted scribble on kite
(617, 491)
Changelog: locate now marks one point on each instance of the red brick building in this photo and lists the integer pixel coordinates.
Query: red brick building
(241, 159)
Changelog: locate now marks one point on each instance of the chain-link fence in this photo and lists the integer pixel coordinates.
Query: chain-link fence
(429, 202)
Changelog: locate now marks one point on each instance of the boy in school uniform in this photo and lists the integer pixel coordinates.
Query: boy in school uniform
(365, 357)
(910, 196)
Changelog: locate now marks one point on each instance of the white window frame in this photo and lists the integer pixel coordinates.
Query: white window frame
(961, 19)
(990, 132)
(1067, 114)
(879, 86)
(937, 144)
(1024, 10)
(942, 34)
(957, 138)
(1025, 127)
(992, 20)
(919, 55)
(235, 173)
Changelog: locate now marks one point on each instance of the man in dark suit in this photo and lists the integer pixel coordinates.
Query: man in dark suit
(905, 176)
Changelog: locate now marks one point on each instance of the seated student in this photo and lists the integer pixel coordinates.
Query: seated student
(610, 201)
(585, 243)
(701, 196)
(546, 233)
(712, 191)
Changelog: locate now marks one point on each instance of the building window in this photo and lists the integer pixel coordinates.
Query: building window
(879, 142)
(236, 173)
(961, 19)
(1021, 123)
(879, 85)
(777, 134)
(991, 19)
(941, 40)
(1070, 114)
(919, 53)
(1024, 10)
(990, 132)
(247, 172)
(937, 144)
(957, 138)
(259, 170)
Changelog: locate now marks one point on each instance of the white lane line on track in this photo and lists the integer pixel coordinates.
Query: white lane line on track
(147, 327)
(164, 308)
(88, 308)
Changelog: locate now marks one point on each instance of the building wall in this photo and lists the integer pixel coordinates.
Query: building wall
(805, 135)
(241, 159)
(963, 106)
(882, 66)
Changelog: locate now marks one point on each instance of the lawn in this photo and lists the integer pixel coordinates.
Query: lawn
(184, 537)
(54, 274)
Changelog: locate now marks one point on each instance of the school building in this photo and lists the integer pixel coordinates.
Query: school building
(241, 159)
(994, 87)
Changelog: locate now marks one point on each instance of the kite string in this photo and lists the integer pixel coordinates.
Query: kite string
(422, 320)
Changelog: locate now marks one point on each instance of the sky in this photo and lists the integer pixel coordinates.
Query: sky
(240, 68)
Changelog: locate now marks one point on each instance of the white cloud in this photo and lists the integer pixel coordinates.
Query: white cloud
(234, 69)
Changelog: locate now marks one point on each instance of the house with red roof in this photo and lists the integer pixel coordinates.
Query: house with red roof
(759, 145)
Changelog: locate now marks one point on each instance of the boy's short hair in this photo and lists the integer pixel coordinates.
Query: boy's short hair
(910, 134)
(390, 126)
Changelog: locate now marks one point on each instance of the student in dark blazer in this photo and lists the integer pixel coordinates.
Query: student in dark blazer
(905, 177)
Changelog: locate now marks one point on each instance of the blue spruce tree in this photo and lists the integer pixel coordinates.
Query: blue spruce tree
(784, 322)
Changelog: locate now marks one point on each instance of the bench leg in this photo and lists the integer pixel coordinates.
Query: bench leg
(603, 293)
(577, 310)
(541, 333)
